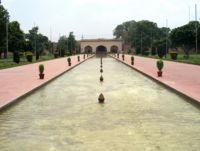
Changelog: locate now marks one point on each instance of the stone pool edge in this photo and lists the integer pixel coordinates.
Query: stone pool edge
(16, 100)
(191, 99)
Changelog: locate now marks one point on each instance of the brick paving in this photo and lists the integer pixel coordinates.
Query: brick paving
(18, 81)
(184, 78)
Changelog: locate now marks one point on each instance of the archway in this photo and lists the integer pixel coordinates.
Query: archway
(101, 51)
(114, 49)
(88, 49)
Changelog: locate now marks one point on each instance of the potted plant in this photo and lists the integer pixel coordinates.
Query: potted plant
(132, 60)
(69, 61)
(78, 58)
(41, 71)
(160, 66)
(123, 56)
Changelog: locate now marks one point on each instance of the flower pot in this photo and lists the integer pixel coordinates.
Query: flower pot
(132, 62)
(159, 73)
(69, 63)
(41, 75)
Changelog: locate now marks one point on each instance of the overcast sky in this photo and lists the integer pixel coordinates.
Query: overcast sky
(96, 18)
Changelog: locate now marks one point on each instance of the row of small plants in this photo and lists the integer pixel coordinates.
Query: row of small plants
(41, 66)
(159, 63)
(16, 57)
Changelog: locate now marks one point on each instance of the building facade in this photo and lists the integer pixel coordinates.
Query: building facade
(101, 46)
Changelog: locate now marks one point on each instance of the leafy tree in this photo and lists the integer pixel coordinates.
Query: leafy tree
(38, 41)
(62, 45)
(4, 19)
(71, 43)
(140, 35)
(32, 38)
(16, 37)
(185, 36)
(119, 31)
(160, 46)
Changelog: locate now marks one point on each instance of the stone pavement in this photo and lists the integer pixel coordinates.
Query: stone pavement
(19, 81)
(184, 78)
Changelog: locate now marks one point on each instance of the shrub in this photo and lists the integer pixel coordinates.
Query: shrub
(16, 57)
(173, 55)
(55, 54)
(41, 68)
(160, 65)
(69, 60)
(29, 56)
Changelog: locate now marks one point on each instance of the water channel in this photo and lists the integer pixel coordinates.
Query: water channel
(139, 114)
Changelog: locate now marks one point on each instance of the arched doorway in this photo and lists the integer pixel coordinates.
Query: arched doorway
(101, 51)
(88, 49)
(114, 49)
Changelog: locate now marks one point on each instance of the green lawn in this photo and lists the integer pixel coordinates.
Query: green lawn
(8, 63)
(193, 59)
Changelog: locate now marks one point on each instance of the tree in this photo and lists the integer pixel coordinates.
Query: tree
(38, 41)
(16, 37)
(140, 34)
(119, 31)
(4, 19)
(32, 38)
(71, 43)
(62, 45)
(184, 37)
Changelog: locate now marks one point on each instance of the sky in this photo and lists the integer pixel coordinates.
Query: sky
(96, 18)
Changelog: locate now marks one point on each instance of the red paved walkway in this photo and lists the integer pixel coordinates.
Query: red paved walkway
(15, 82)
(185, 78)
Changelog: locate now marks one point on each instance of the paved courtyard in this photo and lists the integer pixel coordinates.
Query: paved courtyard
(182, 77)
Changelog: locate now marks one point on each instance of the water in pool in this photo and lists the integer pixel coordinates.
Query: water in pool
(139, 114)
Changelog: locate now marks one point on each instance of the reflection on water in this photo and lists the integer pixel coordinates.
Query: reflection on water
(139, 115)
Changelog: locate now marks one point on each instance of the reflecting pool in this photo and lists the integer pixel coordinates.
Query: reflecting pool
(139, 114)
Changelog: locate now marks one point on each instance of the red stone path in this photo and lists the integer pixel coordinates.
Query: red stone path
(18, 81)
(184, 78)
